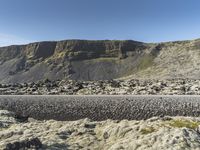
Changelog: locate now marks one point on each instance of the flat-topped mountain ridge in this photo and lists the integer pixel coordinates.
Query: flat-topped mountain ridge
(99, 60)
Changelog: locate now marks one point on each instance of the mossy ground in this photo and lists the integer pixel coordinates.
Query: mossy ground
(147, 130)
(184, 123)
(175, 123)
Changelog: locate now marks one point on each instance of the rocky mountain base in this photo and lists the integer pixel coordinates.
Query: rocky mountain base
(106, 87)
(176, 133)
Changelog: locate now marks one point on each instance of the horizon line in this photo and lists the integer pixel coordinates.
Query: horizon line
(77, 39)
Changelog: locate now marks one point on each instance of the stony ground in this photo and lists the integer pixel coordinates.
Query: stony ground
(168, 133)
(110, 87)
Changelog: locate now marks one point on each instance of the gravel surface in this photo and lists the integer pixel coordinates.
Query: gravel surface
(101, 107)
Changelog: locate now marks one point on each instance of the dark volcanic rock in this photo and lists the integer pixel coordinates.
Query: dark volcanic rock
(104, 87)
(32, 143)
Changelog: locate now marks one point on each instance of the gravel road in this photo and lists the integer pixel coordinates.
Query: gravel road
(101, 107)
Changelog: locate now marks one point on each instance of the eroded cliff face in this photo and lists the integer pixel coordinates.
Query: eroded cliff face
(98, 60)
(75, 59)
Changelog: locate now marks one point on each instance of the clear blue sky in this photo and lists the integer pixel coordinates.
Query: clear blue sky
(23, 21)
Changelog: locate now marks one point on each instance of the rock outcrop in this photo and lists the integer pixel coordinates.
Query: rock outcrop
(167, 133)
(104, 87)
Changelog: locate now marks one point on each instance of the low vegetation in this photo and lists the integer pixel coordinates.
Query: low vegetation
(147, 130)
(145, 62)
(184, 123)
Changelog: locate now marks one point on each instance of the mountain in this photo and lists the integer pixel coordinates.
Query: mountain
(99, 60)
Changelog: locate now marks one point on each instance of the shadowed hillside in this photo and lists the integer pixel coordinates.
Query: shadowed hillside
(99, 60)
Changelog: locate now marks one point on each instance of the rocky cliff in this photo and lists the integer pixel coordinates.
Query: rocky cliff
(99, 60)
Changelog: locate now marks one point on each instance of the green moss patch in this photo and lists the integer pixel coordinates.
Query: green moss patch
(147, 130)
(184, 123)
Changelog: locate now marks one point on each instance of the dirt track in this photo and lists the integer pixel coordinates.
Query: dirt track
(101, 107)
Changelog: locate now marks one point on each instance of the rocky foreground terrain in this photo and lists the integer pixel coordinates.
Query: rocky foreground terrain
(106, 87)
(177, 133)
